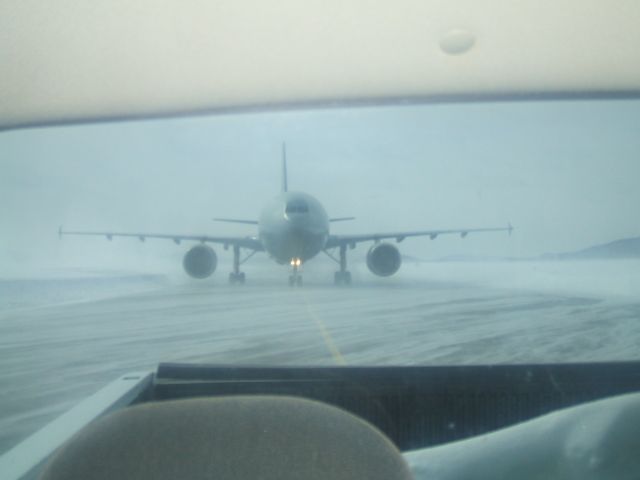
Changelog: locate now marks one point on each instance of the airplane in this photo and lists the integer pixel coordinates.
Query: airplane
(293, 228)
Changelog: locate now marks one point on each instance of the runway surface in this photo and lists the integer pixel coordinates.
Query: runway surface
(62, 339)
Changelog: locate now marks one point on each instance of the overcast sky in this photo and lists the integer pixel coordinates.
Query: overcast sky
(565, 174)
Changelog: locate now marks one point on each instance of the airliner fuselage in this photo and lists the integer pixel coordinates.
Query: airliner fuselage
(293, 226)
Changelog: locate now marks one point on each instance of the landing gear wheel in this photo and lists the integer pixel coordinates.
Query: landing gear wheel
(295, 280)
(236, 278)
(342, 278)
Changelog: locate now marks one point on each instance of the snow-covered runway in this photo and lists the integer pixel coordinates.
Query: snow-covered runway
(56, 351)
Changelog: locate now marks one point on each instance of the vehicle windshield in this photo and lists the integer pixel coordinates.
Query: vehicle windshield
(78, 310)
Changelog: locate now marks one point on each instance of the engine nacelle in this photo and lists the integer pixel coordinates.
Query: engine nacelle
(383, 259)
(200, 262)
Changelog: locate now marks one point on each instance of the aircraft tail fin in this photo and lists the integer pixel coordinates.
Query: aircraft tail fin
(284, 168)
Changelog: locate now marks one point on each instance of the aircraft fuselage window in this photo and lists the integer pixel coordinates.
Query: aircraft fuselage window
(297, 208)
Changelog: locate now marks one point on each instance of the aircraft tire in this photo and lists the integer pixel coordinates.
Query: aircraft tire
(299, 281)
(342, 278)
(237, 278)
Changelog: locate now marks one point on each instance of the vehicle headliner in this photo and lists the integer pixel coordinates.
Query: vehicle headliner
(66, 61)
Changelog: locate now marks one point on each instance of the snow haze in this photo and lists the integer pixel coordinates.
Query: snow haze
(564, 173)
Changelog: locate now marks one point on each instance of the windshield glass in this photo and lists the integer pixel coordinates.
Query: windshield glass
(296, 207)
(77, 310)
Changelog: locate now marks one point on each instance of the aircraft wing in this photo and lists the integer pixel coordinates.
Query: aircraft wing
(340, 240)
(251, 243)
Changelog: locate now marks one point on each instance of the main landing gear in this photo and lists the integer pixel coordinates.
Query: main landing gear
(295, 279)
(342, 277)
(236, 276)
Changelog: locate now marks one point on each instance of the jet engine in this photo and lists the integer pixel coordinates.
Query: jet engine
(383, 259)
(200, 261)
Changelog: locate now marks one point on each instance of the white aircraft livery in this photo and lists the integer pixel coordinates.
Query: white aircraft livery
(292, 229)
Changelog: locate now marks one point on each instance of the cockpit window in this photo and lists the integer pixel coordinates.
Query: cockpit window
(297, 207)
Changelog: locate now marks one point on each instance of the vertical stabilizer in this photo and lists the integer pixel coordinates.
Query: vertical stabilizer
(284, 167)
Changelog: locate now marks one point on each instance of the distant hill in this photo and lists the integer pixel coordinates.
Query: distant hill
(627, 248)
(474, 258)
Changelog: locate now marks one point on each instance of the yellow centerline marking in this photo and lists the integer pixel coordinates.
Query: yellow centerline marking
(326, 336)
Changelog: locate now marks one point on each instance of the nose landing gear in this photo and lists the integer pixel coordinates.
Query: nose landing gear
(295, 279)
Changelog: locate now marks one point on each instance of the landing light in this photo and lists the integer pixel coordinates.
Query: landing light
(296, 262)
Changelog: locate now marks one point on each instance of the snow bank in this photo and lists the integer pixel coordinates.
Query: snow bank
(601, 278)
